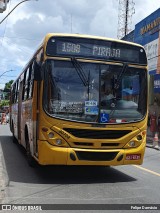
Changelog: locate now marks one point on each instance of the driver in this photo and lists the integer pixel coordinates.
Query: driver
(108, 95)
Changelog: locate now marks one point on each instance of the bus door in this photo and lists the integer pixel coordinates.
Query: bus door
(20, 85)
(34, 90)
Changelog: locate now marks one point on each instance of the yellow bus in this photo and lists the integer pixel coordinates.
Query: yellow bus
(82, 100)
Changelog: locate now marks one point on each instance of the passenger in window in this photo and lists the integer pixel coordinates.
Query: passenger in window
(107, 95)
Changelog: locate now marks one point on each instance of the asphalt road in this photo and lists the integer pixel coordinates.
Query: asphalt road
(78, 185)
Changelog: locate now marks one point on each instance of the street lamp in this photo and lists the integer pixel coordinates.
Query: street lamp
(3, 5)
(15, 8)
(5, 72)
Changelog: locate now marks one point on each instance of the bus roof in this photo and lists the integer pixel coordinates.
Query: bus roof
(49, 35)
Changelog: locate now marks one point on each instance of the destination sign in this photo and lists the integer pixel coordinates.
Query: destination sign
(91, 50)
(95, 49)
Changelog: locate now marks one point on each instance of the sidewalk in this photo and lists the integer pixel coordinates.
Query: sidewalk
(4, 180)
(150, 141)
(3, 176)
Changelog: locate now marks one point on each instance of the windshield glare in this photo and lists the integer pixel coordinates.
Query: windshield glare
(86, 92)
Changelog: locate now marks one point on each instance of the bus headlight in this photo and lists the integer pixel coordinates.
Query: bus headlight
(51, 135)
(58, 142)
(132, 144)
(137, 140)
(53, 138)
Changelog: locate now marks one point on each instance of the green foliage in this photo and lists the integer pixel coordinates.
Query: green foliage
(8, 86)
(4, 103)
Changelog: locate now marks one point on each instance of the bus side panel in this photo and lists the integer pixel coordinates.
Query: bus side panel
(35, 119)
(14, 119)
(29, 121)
(19, 111)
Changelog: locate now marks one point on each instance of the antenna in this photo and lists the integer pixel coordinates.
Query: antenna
(126, 10)
(71, 23)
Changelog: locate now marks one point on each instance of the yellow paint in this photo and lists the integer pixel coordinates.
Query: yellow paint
(147, 170)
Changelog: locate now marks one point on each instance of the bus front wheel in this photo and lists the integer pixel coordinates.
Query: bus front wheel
(14, 140)
(30, 159)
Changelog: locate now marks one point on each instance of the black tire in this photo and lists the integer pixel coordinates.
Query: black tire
(30, 159)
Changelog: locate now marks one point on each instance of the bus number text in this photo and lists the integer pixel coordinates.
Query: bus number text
(64, 134)
(71, 48)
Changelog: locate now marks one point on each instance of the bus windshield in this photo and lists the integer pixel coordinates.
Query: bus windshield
(88, 92)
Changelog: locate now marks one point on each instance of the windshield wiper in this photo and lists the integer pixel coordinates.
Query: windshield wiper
(80, 71)
(125, 66)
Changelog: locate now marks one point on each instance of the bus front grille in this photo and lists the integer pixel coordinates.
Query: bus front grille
(97, 134)
(96, 156)
(83, 144)
(109, 144)
(94, 144)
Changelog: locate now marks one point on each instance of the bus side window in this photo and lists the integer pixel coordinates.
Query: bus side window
(23, 93)
(27, 89)
(13, 94)
(17, 90)
(26, 85)
(30, 81)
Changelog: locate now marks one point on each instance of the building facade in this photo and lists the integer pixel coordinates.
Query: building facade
(147, 33)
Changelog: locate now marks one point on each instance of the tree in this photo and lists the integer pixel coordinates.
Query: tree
(7, 86)
(6, 90)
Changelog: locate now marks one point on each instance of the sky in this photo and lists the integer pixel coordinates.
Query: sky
(24, 29)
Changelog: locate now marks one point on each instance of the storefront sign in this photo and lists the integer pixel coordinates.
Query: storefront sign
(152, 54)
(150, 26)
(157, 83)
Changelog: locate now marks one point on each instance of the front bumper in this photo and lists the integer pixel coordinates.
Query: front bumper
(53, 155)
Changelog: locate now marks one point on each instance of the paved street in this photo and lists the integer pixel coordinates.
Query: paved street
(61, 185)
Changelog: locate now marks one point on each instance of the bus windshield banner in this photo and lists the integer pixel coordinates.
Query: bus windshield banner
(95, 49)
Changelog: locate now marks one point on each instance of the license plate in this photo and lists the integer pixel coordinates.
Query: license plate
(133, 156)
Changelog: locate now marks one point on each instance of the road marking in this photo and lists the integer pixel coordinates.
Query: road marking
(147, 170)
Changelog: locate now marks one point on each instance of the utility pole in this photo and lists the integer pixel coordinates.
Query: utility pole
(126, 11)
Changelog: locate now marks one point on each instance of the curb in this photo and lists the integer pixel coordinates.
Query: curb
(153, 147)
(150, 141)
(4, 179)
